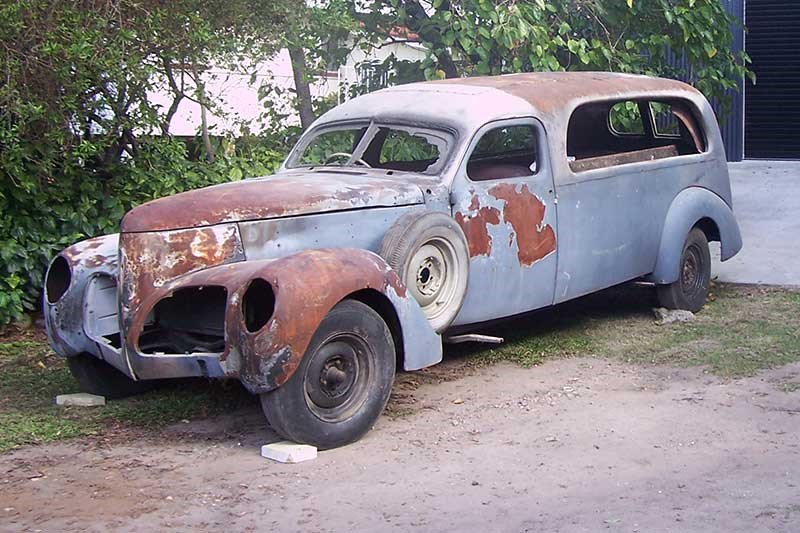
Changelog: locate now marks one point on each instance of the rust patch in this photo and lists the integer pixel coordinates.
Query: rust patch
(306, 286)
(151, 260)
(525, 212)
(553, 91)
(475, 225)
(276, 196)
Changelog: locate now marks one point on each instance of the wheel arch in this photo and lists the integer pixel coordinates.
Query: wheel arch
(694, 207)
(381, 304)
(307, 286)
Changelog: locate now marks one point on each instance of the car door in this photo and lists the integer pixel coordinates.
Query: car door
(503, 199)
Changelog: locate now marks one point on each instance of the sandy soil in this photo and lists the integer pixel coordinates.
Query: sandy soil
(572, 445)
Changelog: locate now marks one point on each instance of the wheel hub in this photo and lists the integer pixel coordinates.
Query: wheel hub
(332, 375)
(690, 274)
(429, 276)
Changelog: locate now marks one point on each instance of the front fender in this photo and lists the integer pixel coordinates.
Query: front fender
(687, 209)
(306, 286)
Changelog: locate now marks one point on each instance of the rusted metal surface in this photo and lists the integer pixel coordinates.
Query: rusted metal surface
(287, 194)
(525, 212)
(306, 286)
(475, 223)
(150, 260)
(548, 91)
(612, 160)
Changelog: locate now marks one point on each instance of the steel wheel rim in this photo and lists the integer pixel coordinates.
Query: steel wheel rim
(337, 376)
(432, 276)
(692, 275)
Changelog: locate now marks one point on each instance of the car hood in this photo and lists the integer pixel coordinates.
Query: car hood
(281, 195)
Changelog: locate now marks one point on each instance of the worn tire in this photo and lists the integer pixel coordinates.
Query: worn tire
(342, 383)
(429, 252)
(95, 376)
(690, 291)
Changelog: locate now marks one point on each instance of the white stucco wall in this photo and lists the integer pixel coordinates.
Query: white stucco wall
(236, 94)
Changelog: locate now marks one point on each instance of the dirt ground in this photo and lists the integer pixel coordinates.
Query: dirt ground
(572, 445)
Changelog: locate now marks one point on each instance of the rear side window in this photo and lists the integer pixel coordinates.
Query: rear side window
(625, 118)
(504, 152)
(606, 134)
(665, 121)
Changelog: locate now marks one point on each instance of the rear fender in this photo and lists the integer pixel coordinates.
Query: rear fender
(687, 209)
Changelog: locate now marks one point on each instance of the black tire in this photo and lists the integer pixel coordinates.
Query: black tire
(95, 376)
(342, 384)
(429, 252)
(690, 291)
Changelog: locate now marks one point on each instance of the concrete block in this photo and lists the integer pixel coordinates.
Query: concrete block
(289, 452)
(80, 399)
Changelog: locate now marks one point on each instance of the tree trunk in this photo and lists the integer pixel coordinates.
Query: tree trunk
(201, 99)
(298, 58)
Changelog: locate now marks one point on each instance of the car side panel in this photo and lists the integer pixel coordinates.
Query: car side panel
(611, 220)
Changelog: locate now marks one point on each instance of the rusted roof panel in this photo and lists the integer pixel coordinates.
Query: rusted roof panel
(549, 90)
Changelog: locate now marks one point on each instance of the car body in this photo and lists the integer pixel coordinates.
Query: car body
(558, 184)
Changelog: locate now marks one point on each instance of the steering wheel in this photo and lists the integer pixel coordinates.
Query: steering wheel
(348, 156)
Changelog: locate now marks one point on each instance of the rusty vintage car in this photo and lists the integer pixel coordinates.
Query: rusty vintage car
(398, 217)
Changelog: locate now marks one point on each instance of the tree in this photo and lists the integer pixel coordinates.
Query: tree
(318, 35)
(469, 37)
(80, 140)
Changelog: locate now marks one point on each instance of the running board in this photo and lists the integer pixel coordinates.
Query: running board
(473, 337)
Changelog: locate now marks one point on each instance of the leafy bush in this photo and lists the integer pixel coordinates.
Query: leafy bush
(80, 140)
(37, 222)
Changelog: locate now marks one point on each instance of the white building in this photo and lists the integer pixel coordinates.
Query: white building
(236, 97)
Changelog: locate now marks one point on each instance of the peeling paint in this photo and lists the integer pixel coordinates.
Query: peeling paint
(525, 212)
(475, 224)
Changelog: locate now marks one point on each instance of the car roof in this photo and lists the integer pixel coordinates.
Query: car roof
(548, 90)
(466, 103)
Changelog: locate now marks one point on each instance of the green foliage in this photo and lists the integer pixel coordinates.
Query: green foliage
(483, 37)
(402, 146)
(80, 140)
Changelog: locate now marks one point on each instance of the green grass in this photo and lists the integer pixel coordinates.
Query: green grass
(31, 376)
(743, 330)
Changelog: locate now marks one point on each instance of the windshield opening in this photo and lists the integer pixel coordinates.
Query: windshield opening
(388, 147)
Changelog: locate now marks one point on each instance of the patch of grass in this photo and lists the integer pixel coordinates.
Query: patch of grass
(743, 330)
(740, 331)
(31, 376)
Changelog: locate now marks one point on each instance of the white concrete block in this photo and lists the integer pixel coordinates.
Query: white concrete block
(289, 452)
(80, 399)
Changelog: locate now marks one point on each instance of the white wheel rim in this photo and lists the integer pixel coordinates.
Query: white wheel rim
(432, 277)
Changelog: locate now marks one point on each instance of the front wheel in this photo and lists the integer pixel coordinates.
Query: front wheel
(95, 376)
(691, 289)
(342, 384)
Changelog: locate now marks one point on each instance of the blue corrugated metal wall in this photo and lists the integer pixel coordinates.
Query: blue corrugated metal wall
(732, 124)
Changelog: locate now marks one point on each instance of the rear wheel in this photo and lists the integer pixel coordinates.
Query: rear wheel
(95, 376)
(691, 289)
(342, 384)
